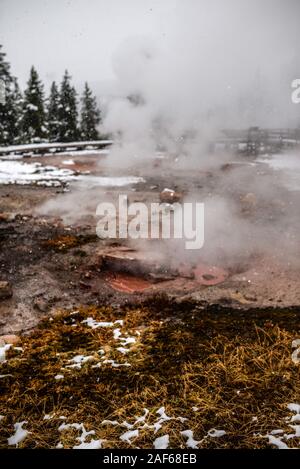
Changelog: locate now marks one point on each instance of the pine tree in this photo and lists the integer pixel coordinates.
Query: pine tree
(90, 116)
(68, 113)
(5, 84)
(33, 122)
(14, 116)
(53, 123)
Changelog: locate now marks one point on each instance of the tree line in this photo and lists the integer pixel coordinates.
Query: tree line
(33, 117)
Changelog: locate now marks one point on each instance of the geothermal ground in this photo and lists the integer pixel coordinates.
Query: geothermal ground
(119, 344)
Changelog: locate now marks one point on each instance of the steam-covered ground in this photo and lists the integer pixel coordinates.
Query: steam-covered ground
(220, 359)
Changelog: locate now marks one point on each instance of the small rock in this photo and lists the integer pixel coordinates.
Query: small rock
(170, 197)
(5, 290)
(41, 305)
(5, 216)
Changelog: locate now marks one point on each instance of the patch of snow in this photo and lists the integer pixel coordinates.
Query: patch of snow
(31, 107)
(110, 422)
(19, 435)
(127, 340)
(123, 350)
(277, 442)
(117, 334)
(107, 181)
(3, 351)
(213, 433)
(181, 419)
(142, 418)
(166, 190)
(67, 426)
(297, 431)
(127, 436)
(79, 360)
(15, 172)
(59, 377)
(158, 425)
(276, 432)
(91, 322)
(161, 412)
(162, 442)
(295, 408)
(190, 443)
(68, 162)
(93, 444)
(114, 364)
(84, 434)
(126, 425)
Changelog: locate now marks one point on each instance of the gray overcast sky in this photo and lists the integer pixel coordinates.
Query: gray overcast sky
(80, 35)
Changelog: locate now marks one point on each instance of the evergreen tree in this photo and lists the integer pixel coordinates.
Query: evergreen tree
(33, 122)
(4, 66)
(53, 122)
(90, 116)
(68, 113)
(5, 84)
(14, 116)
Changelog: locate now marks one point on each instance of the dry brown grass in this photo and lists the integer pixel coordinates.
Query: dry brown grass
(65, 242)
(236, 370)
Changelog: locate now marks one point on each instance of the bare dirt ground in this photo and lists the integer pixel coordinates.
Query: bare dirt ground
(54, 263)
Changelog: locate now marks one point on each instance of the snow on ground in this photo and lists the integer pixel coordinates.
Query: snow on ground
(3, 351)
(128, 436)
(19, 435)
(190, 442)
(93, 444)
(95, 324)
(83, 444)
(114, 364)
(213, 433)
(121, 337)
(162, 442)
(132, 429)
(107, 181)
(17, 172)
(57, 377)
(68, 162)
(278, 437)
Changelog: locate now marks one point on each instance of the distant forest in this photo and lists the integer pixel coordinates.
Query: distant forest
(33, 117)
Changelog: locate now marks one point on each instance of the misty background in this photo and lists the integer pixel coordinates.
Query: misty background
(208, 62)
(190, 68)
